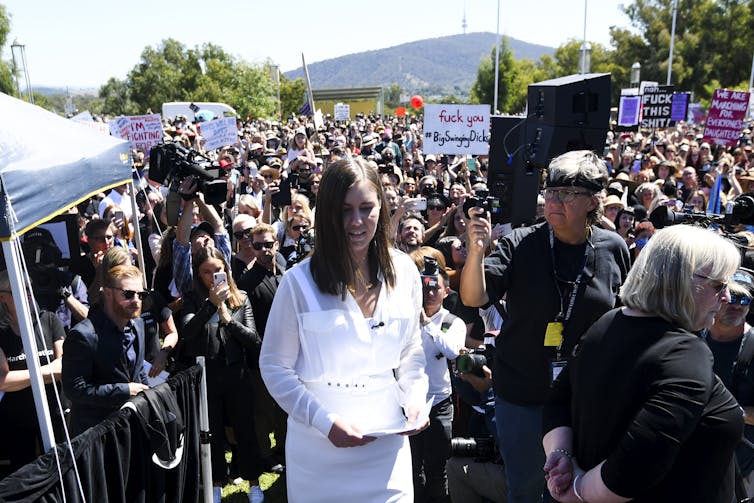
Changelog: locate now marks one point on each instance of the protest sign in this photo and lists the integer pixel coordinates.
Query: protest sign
(219, 133)
(726, 116)
(342, 112)
(144, 131)
(628, 111)
(85, 119)
(456, 129)
(657, 105)
(119, 127)
(680, 107)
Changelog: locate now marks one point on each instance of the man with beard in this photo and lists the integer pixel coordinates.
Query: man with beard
(103, 355)
(731, 340)
(410, 233)
(261, 282)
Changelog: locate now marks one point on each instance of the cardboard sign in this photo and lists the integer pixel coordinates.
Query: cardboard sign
(456, 129)
(219, 133)
(725, 119)
(342, 112)
(657, 107)
(142, 131)
(628, 111)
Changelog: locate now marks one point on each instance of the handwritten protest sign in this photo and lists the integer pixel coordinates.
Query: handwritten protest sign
(456, 129)
(142, 131)
(657, 105)
(726, 116)
(219, 133)
(342, 112)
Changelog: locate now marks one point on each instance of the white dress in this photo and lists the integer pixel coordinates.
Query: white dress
(321, 359)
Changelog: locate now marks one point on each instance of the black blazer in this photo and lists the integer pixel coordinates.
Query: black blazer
(96, 372)
(202, 337)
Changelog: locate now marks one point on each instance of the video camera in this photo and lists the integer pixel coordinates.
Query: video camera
(483, 200)
(430, 273)
(738, 211)
(42, 258)
(170, 163)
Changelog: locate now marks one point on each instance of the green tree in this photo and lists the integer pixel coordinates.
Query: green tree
(393, 96)
(116, 98)
(7, 85)
(291, 95)
(511, 89)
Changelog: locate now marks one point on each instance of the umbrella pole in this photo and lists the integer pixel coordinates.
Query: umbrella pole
(204, 434)
(137, 234)
(21, 300)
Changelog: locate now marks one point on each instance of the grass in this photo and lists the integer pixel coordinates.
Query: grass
(272, 484)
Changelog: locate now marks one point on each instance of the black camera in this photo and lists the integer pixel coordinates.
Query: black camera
(473, 361)
(170, 163)
(430, 273)
(483, 200)
(482, 448)
(304, 247)
(738, 211)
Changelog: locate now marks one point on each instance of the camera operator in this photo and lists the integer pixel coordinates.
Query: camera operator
(61, 292)
(443, 336)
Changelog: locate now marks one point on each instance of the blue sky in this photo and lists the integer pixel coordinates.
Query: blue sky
(82, 43)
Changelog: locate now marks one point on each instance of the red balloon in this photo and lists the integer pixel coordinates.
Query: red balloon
(417, 101)
(400, 111)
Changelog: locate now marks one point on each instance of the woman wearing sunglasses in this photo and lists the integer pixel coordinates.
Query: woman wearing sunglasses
(296, 229)
(638, 413)
(558, 277)
(217, 322)
(243, 256)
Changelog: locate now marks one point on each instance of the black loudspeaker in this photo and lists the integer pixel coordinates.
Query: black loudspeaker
(510, 177)
(569, 113)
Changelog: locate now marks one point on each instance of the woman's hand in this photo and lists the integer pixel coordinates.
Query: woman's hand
(344, 434)
(559, 473)
(219, 293)
(411, 416)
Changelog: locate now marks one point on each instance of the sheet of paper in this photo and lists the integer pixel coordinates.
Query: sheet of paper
(423, 415)
(158, 379)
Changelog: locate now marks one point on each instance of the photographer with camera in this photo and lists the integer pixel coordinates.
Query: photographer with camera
(61, 292)
(443, 336)
(189, 241)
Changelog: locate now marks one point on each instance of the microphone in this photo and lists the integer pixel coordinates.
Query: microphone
(377, 325)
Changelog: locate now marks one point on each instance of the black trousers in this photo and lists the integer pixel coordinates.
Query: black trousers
(230, 395)
(430, 451)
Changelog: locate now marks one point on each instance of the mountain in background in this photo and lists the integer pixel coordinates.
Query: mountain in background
(435, 66)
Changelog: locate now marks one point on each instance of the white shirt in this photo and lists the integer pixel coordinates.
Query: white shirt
(313, 337)
(115, 198)
(439, 347)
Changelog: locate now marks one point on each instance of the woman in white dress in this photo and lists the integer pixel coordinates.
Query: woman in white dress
(342, 351)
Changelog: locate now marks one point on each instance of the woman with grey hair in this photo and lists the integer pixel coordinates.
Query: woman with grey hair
(648, 194)
(558, 276)
(638, 413)
(19, 429)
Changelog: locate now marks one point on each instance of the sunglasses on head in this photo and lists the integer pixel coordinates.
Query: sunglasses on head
(743, 300)
(242, 234)
(267, 244)
(130, 294)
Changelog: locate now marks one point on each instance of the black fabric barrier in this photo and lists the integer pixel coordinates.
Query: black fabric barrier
(114, 459)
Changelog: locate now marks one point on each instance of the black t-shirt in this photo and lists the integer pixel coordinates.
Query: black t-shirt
(521, 267)
(84, 267)
(154, 311)
(640, 394)
(725, 353)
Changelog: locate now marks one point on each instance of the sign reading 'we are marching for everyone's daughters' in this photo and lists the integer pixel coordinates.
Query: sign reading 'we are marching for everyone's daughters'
(456, 129)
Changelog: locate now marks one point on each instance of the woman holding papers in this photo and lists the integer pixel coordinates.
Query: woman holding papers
(342, 352)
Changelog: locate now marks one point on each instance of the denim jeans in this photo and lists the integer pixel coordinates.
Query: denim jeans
(519, 433)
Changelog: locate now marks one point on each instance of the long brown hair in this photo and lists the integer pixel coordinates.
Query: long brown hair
(201, 256)
(332, 269)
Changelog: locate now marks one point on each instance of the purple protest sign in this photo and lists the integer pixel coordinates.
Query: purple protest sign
(680, 107)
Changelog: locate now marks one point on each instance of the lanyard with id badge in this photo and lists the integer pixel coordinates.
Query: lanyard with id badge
(554, 330)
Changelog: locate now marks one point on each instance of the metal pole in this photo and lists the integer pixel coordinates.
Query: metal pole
(583, 44)
(204, 434)
(751, 76)
(497, 57)
(137, 234)
(672, 41)
(21, 300)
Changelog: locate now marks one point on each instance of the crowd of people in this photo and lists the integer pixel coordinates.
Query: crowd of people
(357, 321)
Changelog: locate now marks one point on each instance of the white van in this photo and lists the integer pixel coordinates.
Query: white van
(175, 108)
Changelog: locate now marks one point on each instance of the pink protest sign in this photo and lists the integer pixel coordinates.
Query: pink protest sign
(726, 116)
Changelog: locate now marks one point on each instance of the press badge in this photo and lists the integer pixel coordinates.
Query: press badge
(554, 334)
(556, 367)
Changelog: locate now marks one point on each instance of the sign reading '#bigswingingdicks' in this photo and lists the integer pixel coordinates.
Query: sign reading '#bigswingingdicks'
(456, 129)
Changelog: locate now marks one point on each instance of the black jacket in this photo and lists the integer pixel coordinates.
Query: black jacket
(96, 371)
(202, 337)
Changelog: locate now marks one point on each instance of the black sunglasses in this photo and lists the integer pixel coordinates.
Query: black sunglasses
(130, 294)
(299, 227)
(743, 300)
(267, 244)
(242, 234)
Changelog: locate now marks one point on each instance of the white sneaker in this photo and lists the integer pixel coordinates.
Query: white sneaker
(217, 494)
(256, 495)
